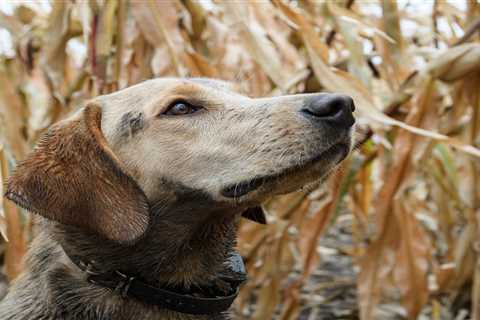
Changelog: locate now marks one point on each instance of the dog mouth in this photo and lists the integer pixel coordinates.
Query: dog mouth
(240, 189)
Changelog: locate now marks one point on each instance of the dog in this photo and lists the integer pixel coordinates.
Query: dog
(138, 196)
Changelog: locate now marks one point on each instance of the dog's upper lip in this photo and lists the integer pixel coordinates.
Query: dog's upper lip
(244, 187)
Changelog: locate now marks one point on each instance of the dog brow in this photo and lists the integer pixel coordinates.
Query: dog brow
(214, 83)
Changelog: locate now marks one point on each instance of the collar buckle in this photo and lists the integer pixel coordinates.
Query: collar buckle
(123, 284)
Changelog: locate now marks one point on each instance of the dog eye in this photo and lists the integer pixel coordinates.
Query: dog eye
(181, 108)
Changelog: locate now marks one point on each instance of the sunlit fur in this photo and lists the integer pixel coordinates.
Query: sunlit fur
(181, 164)
(235, 139)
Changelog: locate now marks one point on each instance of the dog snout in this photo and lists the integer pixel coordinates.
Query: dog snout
(335, 108)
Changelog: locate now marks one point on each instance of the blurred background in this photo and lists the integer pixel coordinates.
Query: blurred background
(394, 234)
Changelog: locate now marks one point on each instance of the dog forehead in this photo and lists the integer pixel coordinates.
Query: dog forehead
(148, 97)
(138, 96)
(215, 84)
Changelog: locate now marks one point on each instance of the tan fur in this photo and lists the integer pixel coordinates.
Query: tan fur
(135, 190)
(236, 138)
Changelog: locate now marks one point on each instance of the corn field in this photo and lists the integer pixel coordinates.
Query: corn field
(408, 198)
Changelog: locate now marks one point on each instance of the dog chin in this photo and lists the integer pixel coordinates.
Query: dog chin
(305, 175)
(314, 178)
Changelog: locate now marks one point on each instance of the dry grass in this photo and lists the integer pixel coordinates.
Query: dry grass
(410, 189)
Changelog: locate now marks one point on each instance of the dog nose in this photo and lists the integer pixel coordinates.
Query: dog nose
(331, 107)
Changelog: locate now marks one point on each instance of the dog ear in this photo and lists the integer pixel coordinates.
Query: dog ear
(256, 214)
(73, 177)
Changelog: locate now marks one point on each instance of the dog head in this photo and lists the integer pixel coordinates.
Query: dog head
(175, 141)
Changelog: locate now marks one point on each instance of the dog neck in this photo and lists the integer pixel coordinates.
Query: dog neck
(172, 253)
(180, 249)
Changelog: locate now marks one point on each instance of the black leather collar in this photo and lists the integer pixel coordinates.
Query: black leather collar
(213, 299)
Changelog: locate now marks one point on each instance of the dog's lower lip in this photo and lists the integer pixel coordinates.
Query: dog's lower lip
(245, 187)
(242, 188)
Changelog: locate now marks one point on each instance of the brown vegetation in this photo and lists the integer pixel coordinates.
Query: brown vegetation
(410, 191)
